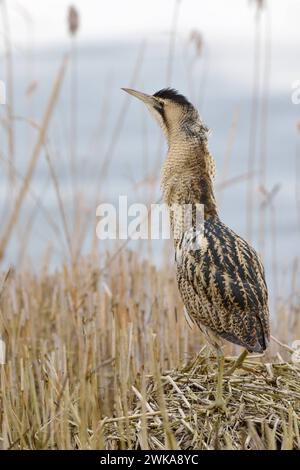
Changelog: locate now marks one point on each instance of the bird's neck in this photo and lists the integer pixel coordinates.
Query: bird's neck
(187, 175)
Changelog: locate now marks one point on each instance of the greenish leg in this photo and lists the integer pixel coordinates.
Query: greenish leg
(219, 401)
(238, 362)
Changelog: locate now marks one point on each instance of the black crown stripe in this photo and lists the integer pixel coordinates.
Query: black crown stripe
(173, 95)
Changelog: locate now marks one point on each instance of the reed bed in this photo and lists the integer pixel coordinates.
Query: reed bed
(101, 359)
(99, 354)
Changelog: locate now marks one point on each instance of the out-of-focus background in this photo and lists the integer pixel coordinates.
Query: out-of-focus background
(237, 61)
(95, 352)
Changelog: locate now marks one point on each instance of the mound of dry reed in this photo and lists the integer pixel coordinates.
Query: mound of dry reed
(263, 410)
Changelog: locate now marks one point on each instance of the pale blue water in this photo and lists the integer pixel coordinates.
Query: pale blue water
(221, 86)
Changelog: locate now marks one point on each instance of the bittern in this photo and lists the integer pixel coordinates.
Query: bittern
(221, 279)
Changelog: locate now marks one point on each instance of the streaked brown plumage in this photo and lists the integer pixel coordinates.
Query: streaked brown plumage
(222, 282)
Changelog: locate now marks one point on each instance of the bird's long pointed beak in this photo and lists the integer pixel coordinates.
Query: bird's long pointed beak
(148, 99)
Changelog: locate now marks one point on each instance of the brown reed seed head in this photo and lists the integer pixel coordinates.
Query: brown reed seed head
(73, 20)
(197, 40)
(260, 4)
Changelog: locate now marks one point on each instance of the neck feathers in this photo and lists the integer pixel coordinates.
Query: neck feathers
(187, 175)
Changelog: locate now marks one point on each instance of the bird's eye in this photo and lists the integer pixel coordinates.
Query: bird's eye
(159, 106)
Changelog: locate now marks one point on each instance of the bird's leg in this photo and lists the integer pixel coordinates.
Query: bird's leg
(219, 400)
(238, 362)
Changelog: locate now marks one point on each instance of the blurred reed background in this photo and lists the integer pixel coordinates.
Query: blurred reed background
(83, 318)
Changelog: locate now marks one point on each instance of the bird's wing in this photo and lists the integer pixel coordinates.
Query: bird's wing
(227, 275)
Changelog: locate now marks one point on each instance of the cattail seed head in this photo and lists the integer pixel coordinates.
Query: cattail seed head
(73, 20)
(196, 39)
(260, 4)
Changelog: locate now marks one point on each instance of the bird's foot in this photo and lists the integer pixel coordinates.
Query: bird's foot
(220, 404)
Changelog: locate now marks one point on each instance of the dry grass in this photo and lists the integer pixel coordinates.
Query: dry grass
(84, 346)
(263, 410)
(76, 341)
(104, 358)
